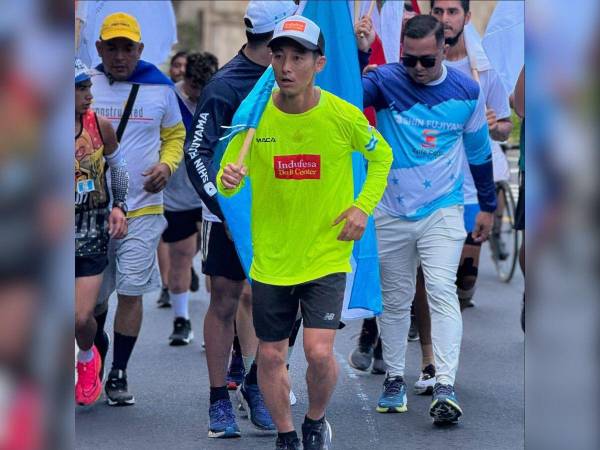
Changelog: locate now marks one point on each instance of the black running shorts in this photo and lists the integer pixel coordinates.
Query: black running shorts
(274, 308)
(87, 266)
(219, 257)
(181, 224)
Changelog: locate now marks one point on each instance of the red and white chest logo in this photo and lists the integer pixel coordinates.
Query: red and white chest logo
(297, 167)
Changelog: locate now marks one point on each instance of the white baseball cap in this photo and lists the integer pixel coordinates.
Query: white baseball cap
(82, 72)
(302, 30)
(263, 16)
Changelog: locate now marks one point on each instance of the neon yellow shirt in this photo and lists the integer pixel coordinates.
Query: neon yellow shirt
(300, 167)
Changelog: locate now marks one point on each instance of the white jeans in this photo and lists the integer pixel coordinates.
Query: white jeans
(436, 242)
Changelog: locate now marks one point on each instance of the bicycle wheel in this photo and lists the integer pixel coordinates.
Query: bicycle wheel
(504, 240)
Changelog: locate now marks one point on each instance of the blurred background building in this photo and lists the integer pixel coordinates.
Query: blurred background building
(217, 26)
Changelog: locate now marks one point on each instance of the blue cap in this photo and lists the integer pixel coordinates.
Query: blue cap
(82, 72)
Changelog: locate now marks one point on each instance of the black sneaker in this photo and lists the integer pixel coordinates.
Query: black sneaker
(164, 301)
(316, 437)
(362, 356)
(195, 281)
(117, 393)
(182, 332)
(102, 345)
(282, 444)
(378, 367)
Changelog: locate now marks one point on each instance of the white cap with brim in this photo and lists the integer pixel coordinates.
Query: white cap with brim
(302, 30)
(82, 72)
(263, 16)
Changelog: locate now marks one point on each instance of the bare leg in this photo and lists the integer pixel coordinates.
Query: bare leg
(423, 320)
(163, 262)
(245, 327)
(322, 372)
(86, 294)
(218, 326)
(274, 383)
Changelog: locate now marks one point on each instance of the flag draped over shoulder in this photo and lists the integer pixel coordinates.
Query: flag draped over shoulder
(156, 19)
(342, 78)
(504, 41)
(148, 73)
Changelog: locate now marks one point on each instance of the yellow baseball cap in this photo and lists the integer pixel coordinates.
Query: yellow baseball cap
(120, 25)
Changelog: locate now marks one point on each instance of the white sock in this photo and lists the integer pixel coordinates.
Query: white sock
(180, 304)
(248, 360)
(85, 356)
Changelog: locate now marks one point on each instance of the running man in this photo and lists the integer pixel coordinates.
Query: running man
(218, 102)
(292, 166)
(426, 111)
(183, 208)
(152, 144)
(95, 223)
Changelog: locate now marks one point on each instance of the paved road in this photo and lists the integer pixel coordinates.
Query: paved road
(171, 388)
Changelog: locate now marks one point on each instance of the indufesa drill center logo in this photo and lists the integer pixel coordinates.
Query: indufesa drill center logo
(297, 167)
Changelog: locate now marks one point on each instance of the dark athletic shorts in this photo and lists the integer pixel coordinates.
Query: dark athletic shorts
(181, 224)
(87, 266)
(520, 212)
(274, 308)
(219, 257)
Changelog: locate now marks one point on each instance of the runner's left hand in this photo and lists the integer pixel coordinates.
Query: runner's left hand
(117, 224)
(483, 226)
(157, 177)
(356, 222)
(492, 120)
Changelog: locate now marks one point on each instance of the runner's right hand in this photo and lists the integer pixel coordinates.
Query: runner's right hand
(233, 175)
(365, 34)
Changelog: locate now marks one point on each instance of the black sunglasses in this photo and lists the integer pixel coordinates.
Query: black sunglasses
(426, 61)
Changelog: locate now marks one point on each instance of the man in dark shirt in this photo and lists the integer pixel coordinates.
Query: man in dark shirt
(216, 107)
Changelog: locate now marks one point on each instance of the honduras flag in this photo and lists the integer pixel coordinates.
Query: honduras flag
(342, 78)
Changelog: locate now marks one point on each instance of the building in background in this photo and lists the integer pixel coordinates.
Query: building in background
(214, 26)
(217, 26)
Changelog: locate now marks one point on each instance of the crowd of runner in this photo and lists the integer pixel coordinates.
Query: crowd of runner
(149, 166)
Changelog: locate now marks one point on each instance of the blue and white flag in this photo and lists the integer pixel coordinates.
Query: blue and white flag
(341, 77)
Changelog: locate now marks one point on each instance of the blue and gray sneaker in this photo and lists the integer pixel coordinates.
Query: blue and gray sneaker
(222, 420)
(393, 398)
(444, 407)
(253, 403)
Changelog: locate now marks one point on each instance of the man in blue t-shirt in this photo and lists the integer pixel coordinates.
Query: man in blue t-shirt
(220, 99)
(426, 112)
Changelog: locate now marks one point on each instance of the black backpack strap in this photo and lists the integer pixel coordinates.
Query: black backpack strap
(127, 111)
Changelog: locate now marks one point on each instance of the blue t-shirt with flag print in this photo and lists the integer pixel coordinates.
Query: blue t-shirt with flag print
(425, 124)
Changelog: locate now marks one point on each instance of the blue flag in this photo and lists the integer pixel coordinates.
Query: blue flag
(342, 78)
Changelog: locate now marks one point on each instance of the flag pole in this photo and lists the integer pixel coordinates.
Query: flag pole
(246, 146)
(369, 13)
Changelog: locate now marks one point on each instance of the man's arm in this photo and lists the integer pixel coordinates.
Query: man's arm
(520, 94)
(378, 153)
(214, 110)
(368, 141)
(119, 179)
(498, 108)
(365, 36)
(479, 156)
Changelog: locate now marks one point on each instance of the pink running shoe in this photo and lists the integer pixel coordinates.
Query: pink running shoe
(89, 387)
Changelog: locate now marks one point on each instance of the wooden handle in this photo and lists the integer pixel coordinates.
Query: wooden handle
(371, 7)
(369, 13)
(246, 146)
